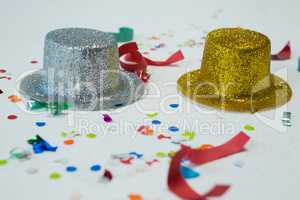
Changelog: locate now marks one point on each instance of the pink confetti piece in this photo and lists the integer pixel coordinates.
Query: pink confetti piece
(107, 118)
(150, 163)
(162, 136)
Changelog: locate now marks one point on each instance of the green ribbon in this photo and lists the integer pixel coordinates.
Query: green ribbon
(125, 34)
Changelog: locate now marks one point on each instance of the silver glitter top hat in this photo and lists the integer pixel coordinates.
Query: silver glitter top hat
(81, 66)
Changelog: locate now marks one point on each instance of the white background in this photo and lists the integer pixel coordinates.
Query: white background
(271, 169)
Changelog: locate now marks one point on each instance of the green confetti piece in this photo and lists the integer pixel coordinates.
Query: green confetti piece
(91, 135)
(249, 127)
(55, 176)
(161, 155)
(190, 135)
(64, 134)
(3, 162)
(151, 115)
(125, 34)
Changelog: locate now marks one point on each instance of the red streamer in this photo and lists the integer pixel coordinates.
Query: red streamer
(284, 53)
(138, 63)
(176, 181)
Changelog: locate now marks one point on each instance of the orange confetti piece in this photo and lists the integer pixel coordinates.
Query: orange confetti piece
(69, 142)
(146, 130)
(14, 98)
(135, 197)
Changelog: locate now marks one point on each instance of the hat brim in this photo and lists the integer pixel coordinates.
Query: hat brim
(130, 89)
(193, 86)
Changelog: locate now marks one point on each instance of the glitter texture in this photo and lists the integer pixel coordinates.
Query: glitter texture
(235, 73)
(81, 66)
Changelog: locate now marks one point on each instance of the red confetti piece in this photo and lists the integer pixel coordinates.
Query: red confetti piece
(34, 62)
(284, 53)
(162, 136)
(107, 118)
(2, 70)
(108, 175)
(131, 54)
(176, 181)
(12, 117)
(127, 161)
(150, 163)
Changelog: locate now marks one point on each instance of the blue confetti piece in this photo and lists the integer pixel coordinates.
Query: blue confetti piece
(174, 105)
(173, 129)
(40, 124)
(156, 122)
(95, 168)
(137, 155)
(40, 145)
(188, 173)
(71, 169)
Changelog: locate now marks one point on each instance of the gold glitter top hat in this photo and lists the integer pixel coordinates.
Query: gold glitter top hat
(235, 73)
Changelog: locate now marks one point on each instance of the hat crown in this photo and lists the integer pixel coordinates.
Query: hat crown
(80, 59)
(235, 60)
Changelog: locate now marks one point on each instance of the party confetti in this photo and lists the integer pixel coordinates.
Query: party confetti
(135, 197)
(3, 162)
(127, 161)
(69, 142)
(107, 118)
(91, 135)
(12, 117)
(284, 53)
(107, 176)
(286, 119)
(40, 145)
(31, 170)
(137, 155)
(150, 163)
(151, 115)
(188, 173)
(55, 176)
(71, 169)
(19, 153)
(190, 135)
(145, 130)
(249, 127)
(14, 98)
(33, 61)
(161, 154)
(40, 124)
(174, 105)
(162, 136)
(173, 129)
(5, 77)
(62, 161)
(239, 163)
(2, 70)
(156, 122)
(95, 168)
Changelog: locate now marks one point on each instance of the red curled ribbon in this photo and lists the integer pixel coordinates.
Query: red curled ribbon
(177, 183)
(284, 53)
(140, 63)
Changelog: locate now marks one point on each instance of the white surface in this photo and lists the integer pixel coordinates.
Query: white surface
(272, 163)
